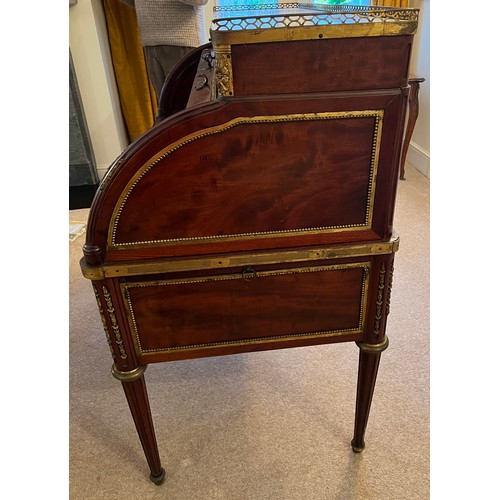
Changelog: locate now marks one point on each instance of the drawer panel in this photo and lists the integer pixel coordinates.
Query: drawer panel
(247, 307)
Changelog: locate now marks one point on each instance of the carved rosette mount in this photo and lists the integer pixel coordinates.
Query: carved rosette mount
(224, 71)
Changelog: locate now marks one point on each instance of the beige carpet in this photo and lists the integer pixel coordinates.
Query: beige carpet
(273, 425)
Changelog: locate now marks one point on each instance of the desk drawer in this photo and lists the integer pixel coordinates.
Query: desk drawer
(247, 308)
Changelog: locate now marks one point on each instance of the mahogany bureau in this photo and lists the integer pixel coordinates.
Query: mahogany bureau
(257, 212)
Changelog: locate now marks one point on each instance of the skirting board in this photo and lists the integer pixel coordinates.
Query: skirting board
(420, 159)
(101, 171)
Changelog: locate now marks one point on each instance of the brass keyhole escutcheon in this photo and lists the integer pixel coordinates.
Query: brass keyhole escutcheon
(249, 274)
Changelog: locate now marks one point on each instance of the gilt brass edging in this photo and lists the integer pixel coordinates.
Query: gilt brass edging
(314, 22)
(301, 33)
(252, 341)
(374, 348)
(377, 114)
(237, 260)
(128, 376)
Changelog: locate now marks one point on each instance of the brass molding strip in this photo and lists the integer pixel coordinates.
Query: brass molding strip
(301, 21)
(129, 376)
(374, 348)
(253, 341)
(377, 114)
(237, 260)
(366, 266)
(289, 34)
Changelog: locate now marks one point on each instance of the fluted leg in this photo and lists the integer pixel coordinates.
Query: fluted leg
(369, 359)
(137, 398)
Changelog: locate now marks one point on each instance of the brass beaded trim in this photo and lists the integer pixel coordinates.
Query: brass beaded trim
(376, 114)
(327, 333)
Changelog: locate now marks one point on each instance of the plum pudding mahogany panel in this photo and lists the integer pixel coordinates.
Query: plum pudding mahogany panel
(254, 125)
(257, 213)
(321, 65)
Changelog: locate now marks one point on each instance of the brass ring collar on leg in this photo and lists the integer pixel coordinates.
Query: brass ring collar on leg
(129, 376)
(374, 348)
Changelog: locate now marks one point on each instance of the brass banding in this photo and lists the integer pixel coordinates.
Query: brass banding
(238, 260)
(302, 21)
(128, 376)
(374, 348)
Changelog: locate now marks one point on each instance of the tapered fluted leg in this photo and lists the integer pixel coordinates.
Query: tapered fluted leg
(369, 358)
(137, 398)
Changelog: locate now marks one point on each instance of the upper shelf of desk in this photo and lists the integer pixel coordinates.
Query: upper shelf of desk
(310, 48)
(243, 24)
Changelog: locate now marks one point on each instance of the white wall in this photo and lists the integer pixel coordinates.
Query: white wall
(208, 17)
(88, 41)
(419, 151)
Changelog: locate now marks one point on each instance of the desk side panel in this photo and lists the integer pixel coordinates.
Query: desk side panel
(250, 174)
(321, 65)
(256, 178)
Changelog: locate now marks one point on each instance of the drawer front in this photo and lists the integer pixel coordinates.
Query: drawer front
(247, 308)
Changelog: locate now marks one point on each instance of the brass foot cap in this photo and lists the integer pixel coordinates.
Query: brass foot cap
(158, 479)
(357, 449)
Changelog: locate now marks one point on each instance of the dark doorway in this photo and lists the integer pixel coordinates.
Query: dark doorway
(83, 178)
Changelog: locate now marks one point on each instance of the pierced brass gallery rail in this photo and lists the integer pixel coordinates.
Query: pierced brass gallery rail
(301, 21)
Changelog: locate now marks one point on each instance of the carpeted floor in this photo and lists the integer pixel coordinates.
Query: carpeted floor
(273, 425)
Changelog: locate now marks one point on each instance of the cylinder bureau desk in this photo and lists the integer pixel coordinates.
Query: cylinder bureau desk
(257, 212)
